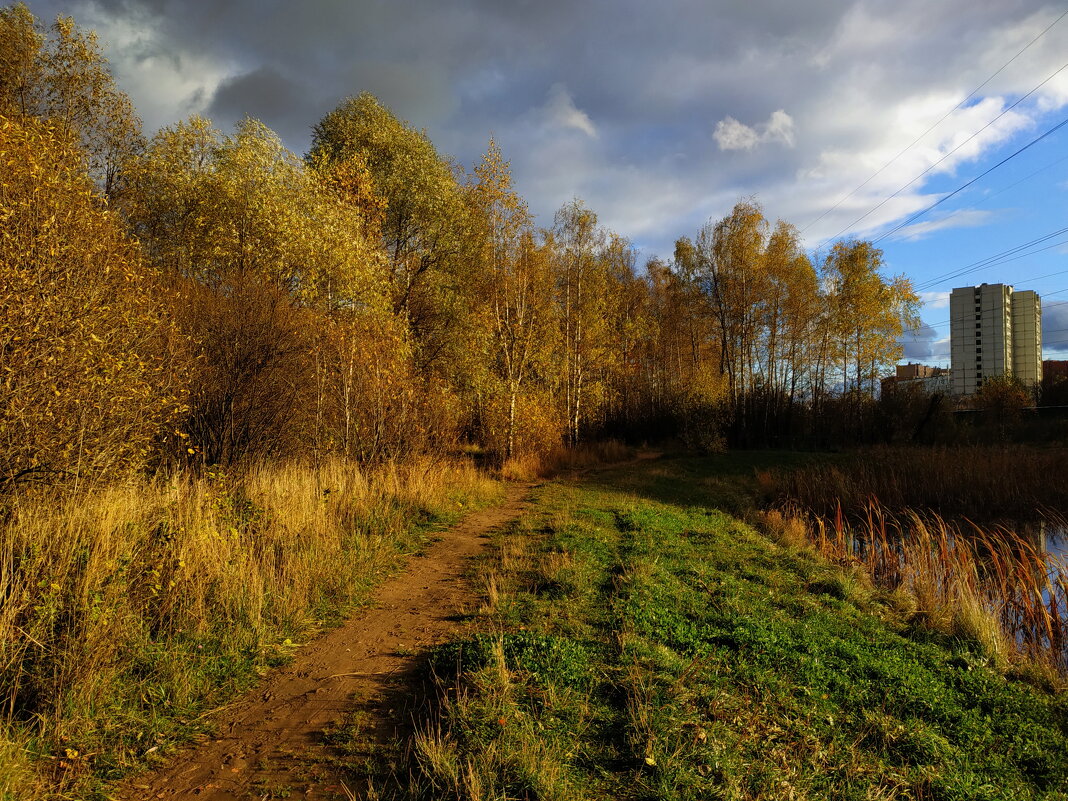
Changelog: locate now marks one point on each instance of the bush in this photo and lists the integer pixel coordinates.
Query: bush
(87, 384)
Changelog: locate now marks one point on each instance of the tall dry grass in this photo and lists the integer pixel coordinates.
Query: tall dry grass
(987, 584)
(126, 612)
(980, 482)
(563, 458)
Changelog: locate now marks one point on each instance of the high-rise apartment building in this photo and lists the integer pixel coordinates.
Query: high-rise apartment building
(994, 331)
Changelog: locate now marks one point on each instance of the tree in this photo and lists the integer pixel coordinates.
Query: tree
(581, 295)
(424, 228)
(730, 267)
(89, 381)
(263, 246)
(64, 78)
(217, 208)
(518, 283)
(1002, 400)
(868, 313)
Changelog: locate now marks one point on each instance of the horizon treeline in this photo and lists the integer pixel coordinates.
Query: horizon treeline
(204, 297)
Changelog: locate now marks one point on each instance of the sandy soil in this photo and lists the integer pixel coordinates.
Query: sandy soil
(276, 743)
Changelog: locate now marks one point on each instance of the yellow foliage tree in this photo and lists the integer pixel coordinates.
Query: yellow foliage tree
(86, 383)
(266, 248)
(518, 305)
(61, 76)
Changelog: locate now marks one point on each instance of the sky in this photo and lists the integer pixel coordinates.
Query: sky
(844, 118)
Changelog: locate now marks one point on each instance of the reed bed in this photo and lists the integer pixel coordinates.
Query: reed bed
(126, 612)
(987, 584)
(980, 482)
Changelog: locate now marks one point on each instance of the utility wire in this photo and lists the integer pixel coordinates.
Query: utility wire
(890, 197)
(1042, 297)
(1028, 177)
(991, 261)
(935, 125)
(981, 175)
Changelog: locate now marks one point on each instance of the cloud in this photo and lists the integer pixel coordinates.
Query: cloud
(965, 218)
(919, 344)
(167, 80)
(1055, 329)
(265, 94)
(635, 92)
(560, 111)
(935, 300)
(733, 135)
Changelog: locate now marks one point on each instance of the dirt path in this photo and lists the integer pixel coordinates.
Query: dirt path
(357, 679)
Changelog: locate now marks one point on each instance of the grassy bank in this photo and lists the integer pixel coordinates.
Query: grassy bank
(638, 642)
(128, 613)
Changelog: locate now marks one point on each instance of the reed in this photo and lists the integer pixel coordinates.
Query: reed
(981, 482)
(984, 583)
(125, 612)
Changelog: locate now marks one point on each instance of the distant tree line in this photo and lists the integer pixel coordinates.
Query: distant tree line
(203, 297)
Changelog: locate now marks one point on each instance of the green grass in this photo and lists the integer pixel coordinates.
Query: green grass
(642, 643)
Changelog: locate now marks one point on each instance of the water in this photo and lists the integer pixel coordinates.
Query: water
(1054, 541)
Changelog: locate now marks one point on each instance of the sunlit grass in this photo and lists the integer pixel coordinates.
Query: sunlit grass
(642, 643)
(128, 611)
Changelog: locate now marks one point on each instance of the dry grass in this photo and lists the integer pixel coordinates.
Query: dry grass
(986, 584)
(128, 608)
(982, 482)
(563, 459)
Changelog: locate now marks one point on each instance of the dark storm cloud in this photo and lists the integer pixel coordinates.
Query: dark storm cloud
(920, 344)
(1055, 329)
(266, 95)
(617, 102)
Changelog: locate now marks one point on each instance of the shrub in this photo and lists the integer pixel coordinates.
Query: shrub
(87, 385)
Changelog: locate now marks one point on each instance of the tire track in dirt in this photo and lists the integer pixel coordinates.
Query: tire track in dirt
(271, 743)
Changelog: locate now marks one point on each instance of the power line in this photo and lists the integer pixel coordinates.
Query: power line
(890, 197)
(935, 125)
(991, 261)
(981, 175)
(1028, 177)
(1044, 306)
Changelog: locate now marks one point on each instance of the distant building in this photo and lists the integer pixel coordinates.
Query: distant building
(929, 379)
(1054, 370)
(994, 331)
(907, 372)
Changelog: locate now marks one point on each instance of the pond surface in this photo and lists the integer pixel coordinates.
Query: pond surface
(1054, 541)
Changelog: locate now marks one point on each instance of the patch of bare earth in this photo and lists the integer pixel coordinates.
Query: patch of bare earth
(330, 725)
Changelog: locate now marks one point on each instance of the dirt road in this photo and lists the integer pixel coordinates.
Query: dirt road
(276, 742)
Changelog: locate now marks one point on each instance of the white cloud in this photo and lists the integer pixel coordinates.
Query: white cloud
(167, 81)
(965, 218)
(561, 111)
(935, 300)
(733, 135)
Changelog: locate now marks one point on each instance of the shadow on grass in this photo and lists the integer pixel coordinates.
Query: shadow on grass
(728, 481)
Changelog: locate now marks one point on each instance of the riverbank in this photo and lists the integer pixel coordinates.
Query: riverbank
(639, 640)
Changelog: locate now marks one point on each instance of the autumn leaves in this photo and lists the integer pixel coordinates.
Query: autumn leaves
(203, 297)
